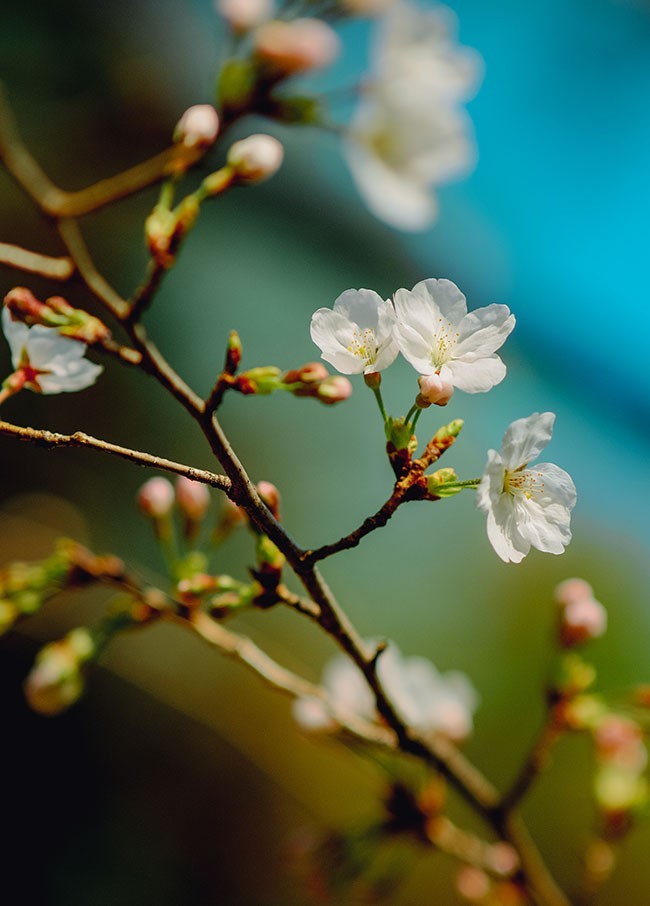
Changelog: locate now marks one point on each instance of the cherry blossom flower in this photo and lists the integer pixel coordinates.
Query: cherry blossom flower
(427, 700)
(45, 361)
(409, 134)
(526, 507)
(437, 335)
(357, 334)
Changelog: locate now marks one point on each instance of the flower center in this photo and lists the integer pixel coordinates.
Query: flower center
(524, 483)
(443, 343)
(364, 345)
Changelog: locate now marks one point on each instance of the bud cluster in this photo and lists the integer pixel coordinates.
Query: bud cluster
(56, 312)
(580, 616)
(310, 380)
(158, 500)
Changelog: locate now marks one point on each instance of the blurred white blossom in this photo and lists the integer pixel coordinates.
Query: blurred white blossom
(357, 334)
(409, 133)
(48, 362)
(526, 507)
(428, 701)
(436, 335)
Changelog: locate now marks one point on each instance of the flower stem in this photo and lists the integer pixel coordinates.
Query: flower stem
(380, 403)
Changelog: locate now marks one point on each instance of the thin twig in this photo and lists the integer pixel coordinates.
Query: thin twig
(57, 203)
(96, 283)
(53, 440)
(61, 268)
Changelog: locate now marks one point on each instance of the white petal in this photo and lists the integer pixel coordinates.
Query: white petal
(490, 489)
(525, 438)
(361, 306)
(333, 333)
(16, 334)
(558, 484)
(477, 376)
(484, 331)
(393, 196)
(544, 534)
(311, 714)
(444, 297)
(77, 375)
(45, 344)
(503, 533)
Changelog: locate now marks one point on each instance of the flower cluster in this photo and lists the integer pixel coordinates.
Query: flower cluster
(409, 133)
(429, 325)
(429, 701)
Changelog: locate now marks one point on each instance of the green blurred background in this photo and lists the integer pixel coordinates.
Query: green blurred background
(180, 779)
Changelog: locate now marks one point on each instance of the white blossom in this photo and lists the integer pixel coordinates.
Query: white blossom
(409, 133)
(357, 334)
(428, 701)
(526, 507)
(437, 335)
(50, 363)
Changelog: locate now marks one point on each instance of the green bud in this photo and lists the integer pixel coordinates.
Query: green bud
(306, 111)
(259, 380)
(453, 429)
(437, 480)
(399, 434)
(268, 554)
(236, 85)
(8, 615)
(574, 676)
(56, 682)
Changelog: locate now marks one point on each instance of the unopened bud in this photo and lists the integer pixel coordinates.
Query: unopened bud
(243, 15)
(256, 158)
(261, 380)
(334, 389)
(156, 498)
(619, 741)
(198, 127)
(24, 306)
(55, 681)
(572, 590)
(297, 46)
(159, 228)
(581, 621)
(433, 390)
(437, 480)
(192, 497)
(310, 373)
(9, 613)
(233, 353)
(271, 496)
(473, 884)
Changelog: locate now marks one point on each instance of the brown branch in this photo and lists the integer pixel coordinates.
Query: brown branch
(61, 268)
(53, 440)
(371, 524)
(534, 763)
(57, 203)
(96, 283)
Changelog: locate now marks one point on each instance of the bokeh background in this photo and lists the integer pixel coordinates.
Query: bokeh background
(180, 779)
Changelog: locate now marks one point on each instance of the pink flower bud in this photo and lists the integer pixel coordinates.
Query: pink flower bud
(243, 15)
(572, 590)
(582, 620)
(619, 740)
(198, 127)
(297, 46)
(156, 497)
(270, 495)
(472, 883)
(434, 390)
(310, 373)
(256, 158)
(192, 497)
(334, 389)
